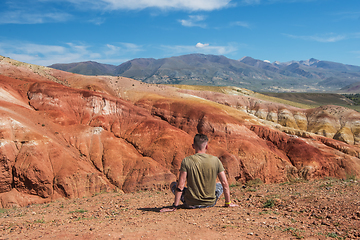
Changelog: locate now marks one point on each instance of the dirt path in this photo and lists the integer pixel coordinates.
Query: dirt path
(327, 209)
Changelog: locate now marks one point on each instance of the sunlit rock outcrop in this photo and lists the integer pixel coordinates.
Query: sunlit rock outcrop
(330, 121)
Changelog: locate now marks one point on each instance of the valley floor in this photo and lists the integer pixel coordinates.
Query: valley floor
(324, 209)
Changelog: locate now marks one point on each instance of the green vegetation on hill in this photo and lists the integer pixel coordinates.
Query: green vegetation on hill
(354, 97)
(299, 100)
(320, 99)
(289, 102)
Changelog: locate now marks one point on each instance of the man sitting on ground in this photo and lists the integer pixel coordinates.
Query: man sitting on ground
(200, 171)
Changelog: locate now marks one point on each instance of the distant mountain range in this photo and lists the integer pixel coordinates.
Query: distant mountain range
(86, 68)
(199, 69)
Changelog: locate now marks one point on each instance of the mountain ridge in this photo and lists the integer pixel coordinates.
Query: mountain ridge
(258, 75)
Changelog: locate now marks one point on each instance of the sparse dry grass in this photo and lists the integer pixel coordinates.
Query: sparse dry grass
(322, 209)
(245, 92)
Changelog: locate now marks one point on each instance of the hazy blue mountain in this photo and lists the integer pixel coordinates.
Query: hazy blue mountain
(86, 68)
(258, 75)
(352, 88)
(187, 69)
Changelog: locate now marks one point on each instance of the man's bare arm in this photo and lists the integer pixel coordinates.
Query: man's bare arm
(180, 186)
(226, 189)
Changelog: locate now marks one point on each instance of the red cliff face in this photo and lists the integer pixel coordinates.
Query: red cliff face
(251, 150)
(72, 143)
(116, 134)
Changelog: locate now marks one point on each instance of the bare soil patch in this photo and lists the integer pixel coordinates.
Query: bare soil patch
(324, 209)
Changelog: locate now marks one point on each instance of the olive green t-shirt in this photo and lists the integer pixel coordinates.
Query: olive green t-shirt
(202, 170)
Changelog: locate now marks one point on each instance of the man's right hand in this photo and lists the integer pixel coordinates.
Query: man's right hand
(231, 205)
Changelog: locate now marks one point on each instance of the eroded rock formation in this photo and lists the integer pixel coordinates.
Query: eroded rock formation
(67, 135)
(330, 121)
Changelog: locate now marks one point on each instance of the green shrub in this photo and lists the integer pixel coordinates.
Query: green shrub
(269, 203)
(332, 235)
(78, 211)
(39, 221)
(255, 182)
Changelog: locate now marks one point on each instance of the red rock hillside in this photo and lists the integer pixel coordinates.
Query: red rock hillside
(67, 135)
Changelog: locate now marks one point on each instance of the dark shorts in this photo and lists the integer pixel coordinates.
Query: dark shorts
(218, 192)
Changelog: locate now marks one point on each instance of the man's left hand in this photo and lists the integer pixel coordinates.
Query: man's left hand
(169, 209)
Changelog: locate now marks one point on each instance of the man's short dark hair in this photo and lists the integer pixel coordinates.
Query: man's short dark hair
(200, 141)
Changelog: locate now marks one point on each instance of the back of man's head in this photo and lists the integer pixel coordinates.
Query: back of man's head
(200, 141)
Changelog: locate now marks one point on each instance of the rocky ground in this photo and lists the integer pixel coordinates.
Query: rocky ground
(323, 209)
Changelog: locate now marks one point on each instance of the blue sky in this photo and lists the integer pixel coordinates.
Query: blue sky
(44, 32)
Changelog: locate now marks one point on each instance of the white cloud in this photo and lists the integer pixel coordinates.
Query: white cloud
(97, 21)
(250, 2)
(256, 2)
(194, 21)
(327, 38)
(188, 5)
(114, 53)
(267, 61)
(30, 48)
(43, 11)
(46, 55)
(113, 49)
(201, 45)
(23, 17)
(354, 15)
(122, 48)
(241, 24)
(132, 47)
(192, 5)
(355, 35)
(206, 49)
